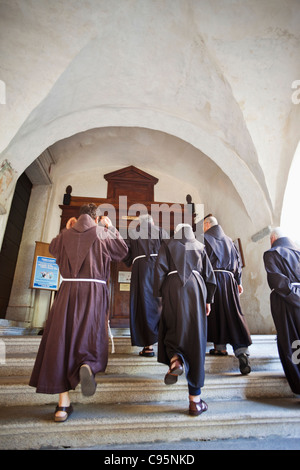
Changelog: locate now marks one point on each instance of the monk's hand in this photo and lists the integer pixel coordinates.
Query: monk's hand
(71, 222)
(241, 290)
(105, 221)
(207, 309)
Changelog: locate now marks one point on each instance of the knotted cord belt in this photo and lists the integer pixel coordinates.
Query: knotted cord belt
(84, 280)
(223, 271)
(174, 272)
(292, 284)
(143, 256)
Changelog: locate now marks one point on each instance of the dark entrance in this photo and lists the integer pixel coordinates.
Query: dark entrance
(12, 239)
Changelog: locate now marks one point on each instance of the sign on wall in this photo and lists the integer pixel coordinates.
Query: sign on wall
(45, 271)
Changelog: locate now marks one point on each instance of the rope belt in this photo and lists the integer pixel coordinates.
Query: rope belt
(292, 284)
(143, 256)
(174, 272)
(111, 338)
(85, 280)
(223, 271)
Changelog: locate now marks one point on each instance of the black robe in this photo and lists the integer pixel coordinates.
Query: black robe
(183, 324)
(226, 323)
(282, 263)
(145, 309)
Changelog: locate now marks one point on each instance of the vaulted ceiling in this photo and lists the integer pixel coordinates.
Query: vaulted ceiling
(216, 75)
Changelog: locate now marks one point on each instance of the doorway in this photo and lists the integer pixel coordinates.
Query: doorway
(12, 239)
(290, 221)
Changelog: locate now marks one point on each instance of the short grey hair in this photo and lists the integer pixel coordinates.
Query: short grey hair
(276, 233)
(146, 218)
(211, 220)
(90, 209)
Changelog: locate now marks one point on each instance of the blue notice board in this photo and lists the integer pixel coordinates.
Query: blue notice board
(46, 275)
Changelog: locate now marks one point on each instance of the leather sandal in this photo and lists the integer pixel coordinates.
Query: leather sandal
(66, 409)
(215, 352)
(171, 376)
(87, 381)
(146, 352)
(245, 367)
(197, 409)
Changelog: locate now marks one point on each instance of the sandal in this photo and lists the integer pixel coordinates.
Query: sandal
(146, 352)
(67, 409)
(196, 408)
(87, 381)
(171, 376)
(244, 364)
(215, 352)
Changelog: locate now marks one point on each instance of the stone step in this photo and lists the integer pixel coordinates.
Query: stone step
(132, 404)
(33, 427)
(22, 365)
(139, 388)
(20, 354)
(15, 328)
(262, 344)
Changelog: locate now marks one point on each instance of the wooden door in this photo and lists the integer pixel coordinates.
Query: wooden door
(138, 187)
(119, 295)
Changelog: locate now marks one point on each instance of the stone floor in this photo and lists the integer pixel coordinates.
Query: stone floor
(133, 410)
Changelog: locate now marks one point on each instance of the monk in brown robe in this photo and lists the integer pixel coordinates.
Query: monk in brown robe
(74, 345)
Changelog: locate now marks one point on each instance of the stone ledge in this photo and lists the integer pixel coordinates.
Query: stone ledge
(94, 424)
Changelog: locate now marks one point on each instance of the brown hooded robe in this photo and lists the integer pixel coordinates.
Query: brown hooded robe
(76, 331)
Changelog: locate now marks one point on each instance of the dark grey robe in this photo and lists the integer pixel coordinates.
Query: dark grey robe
(145, 309)
(76, 331)
(185, 294)
(282, 263)
(226, 323)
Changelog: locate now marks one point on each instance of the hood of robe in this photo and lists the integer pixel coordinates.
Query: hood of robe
(216, 231)
(220, 243)
(184, 250)
(78, 241)
(285, 242)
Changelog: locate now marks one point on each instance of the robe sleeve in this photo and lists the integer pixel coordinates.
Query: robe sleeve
(128, 258)
(238, 269)
(209, 251)
(161, 270)
(56, 246)
(53, 247)
(278, 281)
(209, 278)
(115, 244)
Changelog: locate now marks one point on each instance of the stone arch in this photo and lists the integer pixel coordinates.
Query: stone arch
(182, 92)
